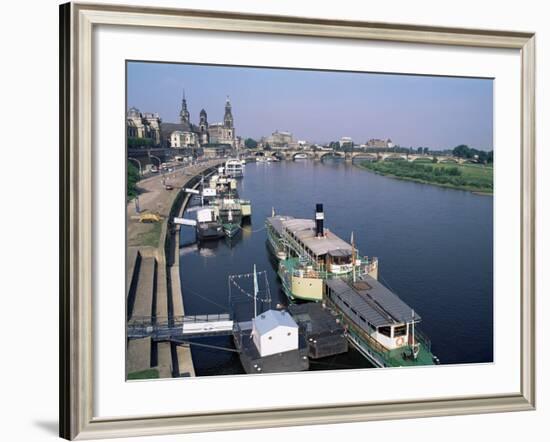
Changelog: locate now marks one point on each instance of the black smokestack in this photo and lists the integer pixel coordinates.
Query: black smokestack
(319, 221)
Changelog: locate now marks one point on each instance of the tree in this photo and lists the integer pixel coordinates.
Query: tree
(334, 145)
(134, 142)
(482, 156)
(131, 181)
(267, 146)
(250, 143)
(462, 151)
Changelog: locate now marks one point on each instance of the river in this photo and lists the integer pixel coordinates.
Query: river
(434, 245)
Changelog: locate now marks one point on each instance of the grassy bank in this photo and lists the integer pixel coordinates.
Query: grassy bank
(471, 177)
(149, 373)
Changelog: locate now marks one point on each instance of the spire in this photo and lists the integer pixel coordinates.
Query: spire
(184, 113)
(228, 116)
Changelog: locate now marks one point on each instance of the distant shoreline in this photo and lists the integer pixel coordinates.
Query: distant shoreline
(472, 189)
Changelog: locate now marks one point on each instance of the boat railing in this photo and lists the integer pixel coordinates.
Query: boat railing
(422, 338)
(351, 328)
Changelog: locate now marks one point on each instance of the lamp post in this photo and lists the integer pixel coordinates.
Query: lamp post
(138, 163)
(156, 158)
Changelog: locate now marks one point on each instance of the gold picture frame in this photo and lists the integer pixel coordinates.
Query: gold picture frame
(77, 23)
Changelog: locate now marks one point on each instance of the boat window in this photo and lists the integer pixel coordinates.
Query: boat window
(399, 331)
(385, 331)
(354, 311)
(346, 304)
(362, 319)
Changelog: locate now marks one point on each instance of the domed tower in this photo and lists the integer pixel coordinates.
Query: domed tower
(184, 113)
(203, 127)
(228, 117)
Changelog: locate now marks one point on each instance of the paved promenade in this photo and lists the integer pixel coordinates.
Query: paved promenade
(153, 278)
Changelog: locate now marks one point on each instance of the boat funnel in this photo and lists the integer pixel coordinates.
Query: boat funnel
(319, 221)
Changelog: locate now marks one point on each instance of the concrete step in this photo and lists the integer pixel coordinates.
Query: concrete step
(164, 359)
(133, 262)
(138, 355)
(185, 362)
(145, 289)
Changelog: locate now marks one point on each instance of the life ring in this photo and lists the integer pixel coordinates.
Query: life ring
(400, 341)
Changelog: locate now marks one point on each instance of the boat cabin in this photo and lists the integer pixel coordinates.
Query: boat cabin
(330, 252)
(374, 309)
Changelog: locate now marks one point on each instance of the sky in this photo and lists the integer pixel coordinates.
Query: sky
(322, 106)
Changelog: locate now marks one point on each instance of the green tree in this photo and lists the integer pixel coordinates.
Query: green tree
(139, 142)
(250, 143)
(462, 151)
(131, 181)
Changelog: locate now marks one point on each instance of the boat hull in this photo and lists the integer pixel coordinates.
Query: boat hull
(209, 232)
(231, 229)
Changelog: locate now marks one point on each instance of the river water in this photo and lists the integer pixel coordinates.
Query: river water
(434, 245)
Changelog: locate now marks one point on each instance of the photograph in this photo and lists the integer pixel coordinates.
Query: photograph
(291, 220)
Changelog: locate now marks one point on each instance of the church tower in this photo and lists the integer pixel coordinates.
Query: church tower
(184, 113)
(203, 127)
(228, 117)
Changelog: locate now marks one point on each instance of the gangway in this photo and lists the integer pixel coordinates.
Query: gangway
(180, 327)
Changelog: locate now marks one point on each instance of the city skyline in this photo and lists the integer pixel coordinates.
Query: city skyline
(322, 106)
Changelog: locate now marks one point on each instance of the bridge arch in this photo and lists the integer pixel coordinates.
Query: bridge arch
(307, 154)
(395, 157)
(337, 155)
(425, 159)
(278, 155)
(365, 157)
(449, 160)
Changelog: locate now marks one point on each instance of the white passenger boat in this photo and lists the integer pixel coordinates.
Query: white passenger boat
(234, 168)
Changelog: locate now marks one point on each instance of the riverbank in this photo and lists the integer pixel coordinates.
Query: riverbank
(153, 289)
(474, 178)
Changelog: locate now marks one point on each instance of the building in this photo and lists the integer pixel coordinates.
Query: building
(273, 332)
(182, 139)
(143, 125)
(186, 134)
(346, 142)
(279, 140)
(223, 133)
(379, 144)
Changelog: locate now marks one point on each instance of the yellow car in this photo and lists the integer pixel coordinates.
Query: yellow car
(149, 218)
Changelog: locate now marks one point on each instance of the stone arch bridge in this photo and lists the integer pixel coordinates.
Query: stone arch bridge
(320, 155)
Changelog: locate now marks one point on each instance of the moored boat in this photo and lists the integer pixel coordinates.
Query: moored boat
(208, 227)
(309, 254)
(378, 323)
(230, 215)
(234, 168)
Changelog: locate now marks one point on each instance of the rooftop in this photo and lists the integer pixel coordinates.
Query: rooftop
(267, 321)
(372, 300)
(304, 230)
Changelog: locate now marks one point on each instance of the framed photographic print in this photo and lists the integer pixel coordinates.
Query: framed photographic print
(272, 221)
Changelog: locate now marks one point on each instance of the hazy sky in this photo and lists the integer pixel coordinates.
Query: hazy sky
(318, 106)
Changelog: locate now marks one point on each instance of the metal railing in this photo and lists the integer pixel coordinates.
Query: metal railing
(165, 328)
